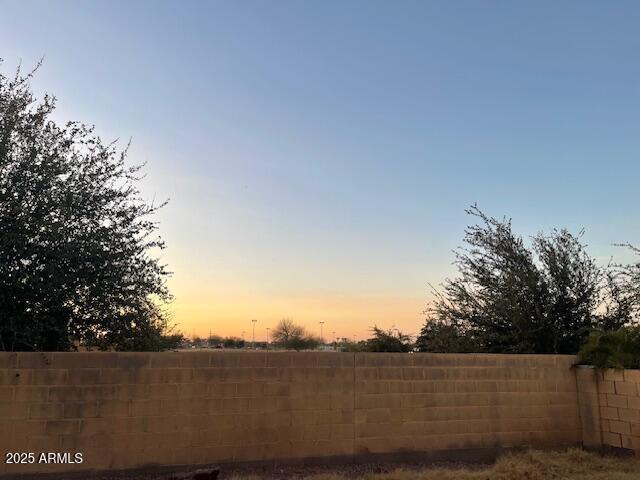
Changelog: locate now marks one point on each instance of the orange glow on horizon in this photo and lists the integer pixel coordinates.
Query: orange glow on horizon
(347, 316)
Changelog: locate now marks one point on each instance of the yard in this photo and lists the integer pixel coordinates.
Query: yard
(573, 464)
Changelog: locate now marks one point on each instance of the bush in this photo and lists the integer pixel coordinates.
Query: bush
(392, 340)
(612, 349)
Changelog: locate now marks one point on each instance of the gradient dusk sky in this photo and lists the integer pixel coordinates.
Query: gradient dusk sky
(319, 155)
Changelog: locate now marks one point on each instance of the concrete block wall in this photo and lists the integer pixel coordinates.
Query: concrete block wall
(428, 402)
(127, 410)
(131, 410)
(619, 401)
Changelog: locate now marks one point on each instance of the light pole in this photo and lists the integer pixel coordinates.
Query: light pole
(268, 336)
(335, 343)
(321, 335)
(254, 333)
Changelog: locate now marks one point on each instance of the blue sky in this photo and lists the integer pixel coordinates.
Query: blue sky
(319, 155)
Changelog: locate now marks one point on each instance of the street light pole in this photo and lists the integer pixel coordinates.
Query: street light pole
(268, 336)
(321, 335)
(254, 333)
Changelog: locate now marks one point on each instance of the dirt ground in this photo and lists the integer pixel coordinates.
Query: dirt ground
(573, 464)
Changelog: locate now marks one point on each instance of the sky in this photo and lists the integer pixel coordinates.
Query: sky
(319, 155)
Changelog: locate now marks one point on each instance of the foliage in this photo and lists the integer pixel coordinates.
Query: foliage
(439, 337)
(76, 238)
(508, 297)
(291, 336)
(233, 342)
(392, 340)
(214, 340)
(346, 345)
(612, 349)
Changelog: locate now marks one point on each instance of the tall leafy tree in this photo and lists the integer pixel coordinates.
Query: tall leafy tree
(512, 297)
(77, 241)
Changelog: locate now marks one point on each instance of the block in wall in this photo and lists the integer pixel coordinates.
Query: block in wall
(83, 376)
(609, 413)
(16, 377)
(193, 390)
(507, 385)
(132, 392)
(619, 427)
(279, 359)
(444, 386)
(380, 401)
(569, 385)
(31, 394)
(632, 375)
(385, 444)
(612, 439)
(634, 403)
(179, 375)
(116, 376)
(80, 410)
(94, 426)
(65, 394)
(34, 360)
(629, 415)
(606, 386)
(113, 408)
(618, 401)
(166, 360)
(45, 410)
(44, 443)
(62, 427)
(562, 398)
(224, 359)
(626, 388)
(28, 428)
(133, 360)
(613, 375)
(8, 360)
(162, 391)
(435, 374)
(134, 425)
(49, 377)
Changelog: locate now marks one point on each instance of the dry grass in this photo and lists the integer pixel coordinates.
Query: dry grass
(573, 464)
(534, 465)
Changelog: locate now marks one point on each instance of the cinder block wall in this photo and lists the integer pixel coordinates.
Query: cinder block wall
(430, 402)
(619, 401)
(130, 410)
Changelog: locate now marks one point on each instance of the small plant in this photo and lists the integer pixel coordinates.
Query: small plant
(612, 349)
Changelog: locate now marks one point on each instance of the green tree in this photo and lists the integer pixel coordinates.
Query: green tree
(76, 238)
(510, 297)
(440, 337)
(392, 340)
